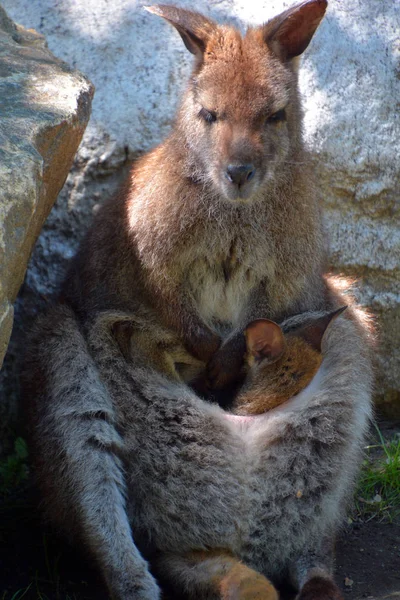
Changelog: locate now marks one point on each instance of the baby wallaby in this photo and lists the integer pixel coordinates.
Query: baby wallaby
(280, 365)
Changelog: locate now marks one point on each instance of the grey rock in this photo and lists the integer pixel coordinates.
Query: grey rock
(350, 80)
(44, 109)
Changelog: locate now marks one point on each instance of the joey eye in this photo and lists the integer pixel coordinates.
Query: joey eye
(208, 115)
(277, 117)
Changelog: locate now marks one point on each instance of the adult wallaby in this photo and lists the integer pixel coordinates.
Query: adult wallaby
(216, 227)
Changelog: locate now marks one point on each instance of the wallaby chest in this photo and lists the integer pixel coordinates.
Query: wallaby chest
(222, 277)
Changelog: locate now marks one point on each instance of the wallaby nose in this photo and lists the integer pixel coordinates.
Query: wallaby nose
(240, 174)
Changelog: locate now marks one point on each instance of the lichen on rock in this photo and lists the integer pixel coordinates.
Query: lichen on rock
(44, 110)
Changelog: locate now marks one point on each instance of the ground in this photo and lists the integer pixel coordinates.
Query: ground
(368, 554)
(36, 565)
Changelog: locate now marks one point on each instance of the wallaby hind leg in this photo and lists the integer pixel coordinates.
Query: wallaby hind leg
(312, 574)
(76, 449)
(212, 575)
(100, 507)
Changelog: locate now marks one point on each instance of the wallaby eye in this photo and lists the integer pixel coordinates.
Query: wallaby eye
(277, 117)
(208, 115)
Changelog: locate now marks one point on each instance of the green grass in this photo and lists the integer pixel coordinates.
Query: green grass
(13, 469)
(378, 492)
(16, 595)
(34, 592)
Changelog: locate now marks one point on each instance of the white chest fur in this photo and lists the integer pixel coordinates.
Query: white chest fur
(255, 431)
(221, 290)
(218, 299)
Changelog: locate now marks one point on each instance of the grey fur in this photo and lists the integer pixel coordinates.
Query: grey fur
(134, 464)
(122, 438)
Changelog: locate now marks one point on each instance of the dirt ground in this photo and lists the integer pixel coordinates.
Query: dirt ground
(368, 559)
(368, 555)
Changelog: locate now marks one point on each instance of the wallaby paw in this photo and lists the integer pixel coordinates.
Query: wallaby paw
(243, 583)
(148, 589)
(224, 367)
(135, 587)
(320, 588)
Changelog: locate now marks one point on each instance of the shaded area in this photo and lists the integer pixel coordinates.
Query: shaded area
(34, 561)
(368, 555)
(368, 558)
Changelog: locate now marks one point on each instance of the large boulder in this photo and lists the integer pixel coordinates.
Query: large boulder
(351, 85)
(44, 109)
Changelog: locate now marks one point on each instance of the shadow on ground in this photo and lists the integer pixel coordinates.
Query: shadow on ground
(36, 565)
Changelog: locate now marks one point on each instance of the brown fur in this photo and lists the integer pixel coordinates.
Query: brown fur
(320, 587)
(220, 575)
(276, 383)
(134, 463)
(280, 366)
(179, 228)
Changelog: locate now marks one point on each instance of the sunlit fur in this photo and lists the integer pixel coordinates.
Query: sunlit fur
(134, 464)
(244, 84)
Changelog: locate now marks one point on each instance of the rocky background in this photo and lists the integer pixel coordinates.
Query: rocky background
(44, 110)
(350, 80)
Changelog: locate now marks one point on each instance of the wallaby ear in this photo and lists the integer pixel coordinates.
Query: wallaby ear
(314, 331)
(194, 29)
(289, 34)
(264, 339)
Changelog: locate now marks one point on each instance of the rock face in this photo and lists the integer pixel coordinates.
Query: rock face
(44, 109)
(350, 81)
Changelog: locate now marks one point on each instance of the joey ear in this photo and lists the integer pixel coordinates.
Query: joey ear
(264, 339)
(314, 331)
(289, 34)
(122, 332)
(194, 29)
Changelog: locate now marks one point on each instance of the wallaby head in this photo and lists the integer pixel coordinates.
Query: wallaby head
(282, 363)
(240, 116)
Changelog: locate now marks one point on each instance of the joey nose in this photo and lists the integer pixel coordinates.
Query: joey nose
(239, 175)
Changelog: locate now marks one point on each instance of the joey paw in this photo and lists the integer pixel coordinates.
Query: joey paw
(225, 366)
(205, 345)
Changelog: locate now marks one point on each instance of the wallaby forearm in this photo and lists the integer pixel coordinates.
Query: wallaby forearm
(178, 313)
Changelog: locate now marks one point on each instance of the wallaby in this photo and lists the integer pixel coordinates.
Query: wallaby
(216, 227)
(280, 365)
(277, 364)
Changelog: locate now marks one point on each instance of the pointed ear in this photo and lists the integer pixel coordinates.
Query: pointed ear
(289, 34)
(194, 29)
(264, 339)
(314, 331)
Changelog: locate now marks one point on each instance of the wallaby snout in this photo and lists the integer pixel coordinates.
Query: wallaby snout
(239, 165)
(239, 176)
